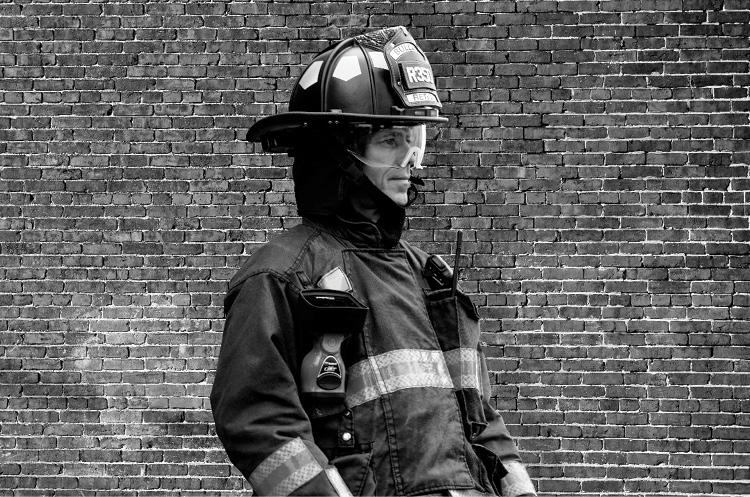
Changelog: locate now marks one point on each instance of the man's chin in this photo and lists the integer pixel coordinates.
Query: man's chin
(400, 199)
(398, 191)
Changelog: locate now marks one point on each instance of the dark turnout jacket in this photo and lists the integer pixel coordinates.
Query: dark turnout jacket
(416, 417)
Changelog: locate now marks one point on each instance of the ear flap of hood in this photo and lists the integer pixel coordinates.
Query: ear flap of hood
(319, 186)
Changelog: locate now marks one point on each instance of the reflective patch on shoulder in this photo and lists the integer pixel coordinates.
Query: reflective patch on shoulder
(335, 279)
(310, 77)
(347, 68)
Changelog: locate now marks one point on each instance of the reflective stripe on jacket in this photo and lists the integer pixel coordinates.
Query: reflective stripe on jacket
(415, 418)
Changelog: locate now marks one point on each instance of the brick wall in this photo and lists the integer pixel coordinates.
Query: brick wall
(596, 160)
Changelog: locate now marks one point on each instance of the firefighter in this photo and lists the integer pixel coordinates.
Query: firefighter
(350, 363)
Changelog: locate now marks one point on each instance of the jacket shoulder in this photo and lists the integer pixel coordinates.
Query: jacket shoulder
(278, 256)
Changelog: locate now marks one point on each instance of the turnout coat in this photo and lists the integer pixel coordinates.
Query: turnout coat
(416, 417)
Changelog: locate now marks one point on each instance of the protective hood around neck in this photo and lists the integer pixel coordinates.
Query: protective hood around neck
(390, 216)
(323, 189)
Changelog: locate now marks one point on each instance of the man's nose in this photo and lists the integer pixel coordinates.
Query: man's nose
(411, 162)
(406, 155)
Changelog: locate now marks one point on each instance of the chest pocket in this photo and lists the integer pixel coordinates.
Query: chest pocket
(456, 323)
(383, 280)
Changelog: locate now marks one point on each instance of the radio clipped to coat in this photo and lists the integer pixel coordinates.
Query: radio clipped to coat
(331, 316)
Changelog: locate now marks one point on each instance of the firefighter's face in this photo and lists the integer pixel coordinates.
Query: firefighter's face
(389, 155)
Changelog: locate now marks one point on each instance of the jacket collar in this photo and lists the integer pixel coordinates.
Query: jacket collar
(390, 216)
(358, 230)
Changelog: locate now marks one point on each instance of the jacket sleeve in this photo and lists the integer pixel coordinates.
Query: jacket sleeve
(256, 406)
(496, 437)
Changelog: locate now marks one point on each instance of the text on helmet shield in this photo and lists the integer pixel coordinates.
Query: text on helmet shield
(416, 75)
(401, 49)
(422, 98)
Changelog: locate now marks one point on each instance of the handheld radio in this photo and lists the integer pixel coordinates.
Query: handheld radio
(439, 275)
(331, 316)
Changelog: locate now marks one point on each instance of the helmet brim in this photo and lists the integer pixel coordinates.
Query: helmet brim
(291, 120)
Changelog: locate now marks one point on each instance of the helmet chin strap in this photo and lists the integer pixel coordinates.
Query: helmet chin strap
(413, 192)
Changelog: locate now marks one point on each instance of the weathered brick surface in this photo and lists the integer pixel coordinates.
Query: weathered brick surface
(596, 159)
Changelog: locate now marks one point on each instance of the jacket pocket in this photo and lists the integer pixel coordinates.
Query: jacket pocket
(333, 429)
(492, 464)
(456, 323)
(455, 318)
(328, 422)
(356, 472)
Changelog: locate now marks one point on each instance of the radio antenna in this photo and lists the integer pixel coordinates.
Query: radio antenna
(456, 267)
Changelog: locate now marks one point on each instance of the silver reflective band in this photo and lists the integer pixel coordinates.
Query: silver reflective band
(395, 146)
(407, 368)
(287, 469)
(463, 365)
(517, 481)
(338, 483)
